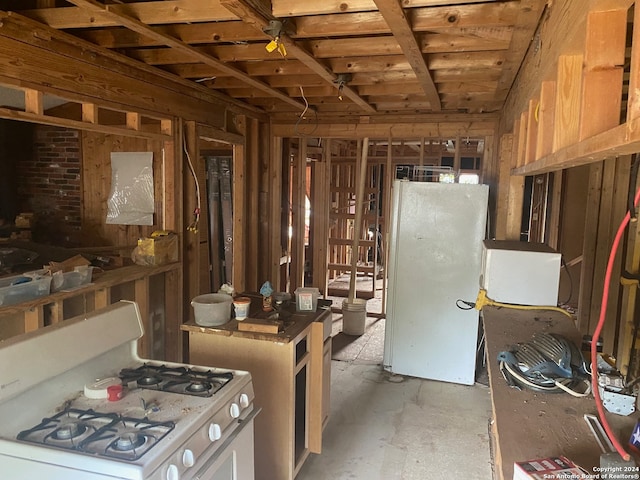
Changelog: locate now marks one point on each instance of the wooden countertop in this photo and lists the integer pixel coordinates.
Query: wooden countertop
(530, 425)
(298, 321)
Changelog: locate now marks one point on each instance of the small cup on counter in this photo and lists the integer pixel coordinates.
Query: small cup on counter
(241, 307)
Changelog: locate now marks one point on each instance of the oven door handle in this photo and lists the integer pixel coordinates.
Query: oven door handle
(227, 442)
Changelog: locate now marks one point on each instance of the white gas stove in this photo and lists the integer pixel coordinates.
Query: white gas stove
(160, 420)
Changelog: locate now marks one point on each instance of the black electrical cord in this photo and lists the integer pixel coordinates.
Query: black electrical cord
(464, 305)
(566, 269)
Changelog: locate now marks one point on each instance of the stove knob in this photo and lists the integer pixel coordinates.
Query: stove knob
(234, 410)
(215, 432)
(244, 400)
(188, 460)
(173, 473)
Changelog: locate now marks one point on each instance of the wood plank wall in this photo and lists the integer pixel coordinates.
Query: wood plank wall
(578, 108)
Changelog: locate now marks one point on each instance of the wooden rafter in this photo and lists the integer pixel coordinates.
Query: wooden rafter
(252, 13)
(185, 48)
(393, 14)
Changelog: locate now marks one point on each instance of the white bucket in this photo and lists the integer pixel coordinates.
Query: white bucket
(212, 309)
(354, 315)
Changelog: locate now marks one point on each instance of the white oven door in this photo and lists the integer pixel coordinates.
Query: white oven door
(234, 459)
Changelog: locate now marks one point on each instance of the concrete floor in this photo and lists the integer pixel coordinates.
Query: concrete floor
(390, 427)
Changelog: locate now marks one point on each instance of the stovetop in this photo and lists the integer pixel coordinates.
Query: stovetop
(181, 380)
(48, 421)
(98, 433)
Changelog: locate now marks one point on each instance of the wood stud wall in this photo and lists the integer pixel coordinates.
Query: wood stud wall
(574, 119)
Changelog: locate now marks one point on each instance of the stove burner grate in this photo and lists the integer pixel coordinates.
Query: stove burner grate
(91, 432)
(183, 380)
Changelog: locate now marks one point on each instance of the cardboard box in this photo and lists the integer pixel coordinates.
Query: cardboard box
(548, 469)
(158, 249)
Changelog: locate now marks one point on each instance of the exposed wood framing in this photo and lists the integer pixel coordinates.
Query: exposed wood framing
(240, 175)
(592, 209)
(628, 321)
(321, 199)
(296, 278)
(191, 240)
(183, 48)
(394, 15)
(275, 212)
(251, 13)
(253, 250)
(37, 57)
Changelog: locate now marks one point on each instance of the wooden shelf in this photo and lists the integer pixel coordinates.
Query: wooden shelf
(144, 285)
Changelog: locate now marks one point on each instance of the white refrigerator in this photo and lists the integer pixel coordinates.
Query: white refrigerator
(435, 257)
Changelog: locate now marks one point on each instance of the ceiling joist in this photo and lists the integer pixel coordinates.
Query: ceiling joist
(393, 14)
(254, 13)
(179, 45)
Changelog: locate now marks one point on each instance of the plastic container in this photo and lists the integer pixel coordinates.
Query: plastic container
(69, 280)
(241, 307)
(212, 309)
(306, 299)
(354, 316)
(22, 288)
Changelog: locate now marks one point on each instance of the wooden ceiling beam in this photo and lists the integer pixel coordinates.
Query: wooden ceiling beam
(433, 19)
(184, 48)
(254, 14)
(193, 34)
(150, 13)
(296, 8)
(490, 21)
(393, 14)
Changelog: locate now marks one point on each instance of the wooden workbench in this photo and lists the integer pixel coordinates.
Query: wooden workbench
(528, 425)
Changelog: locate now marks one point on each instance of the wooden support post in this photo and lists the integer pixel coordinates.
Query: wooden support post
(173, 347)
(592, 208)
(133, 121)
(389, 175)
(166, 126)
(102, 298)
(275, 216)
(321, 197)
(33, 101)
(502, 182)
(33, 319)
(253, 248)
(90, 113)
(191, 247)
(357, 230)
(56, 312)
(456, 156)
(618, 210)
(265, 207)
(298, 216)
(240, 218)
(555, 200)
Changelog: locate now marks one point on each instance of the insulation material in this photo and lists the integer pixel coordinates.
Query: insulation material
(131, 200)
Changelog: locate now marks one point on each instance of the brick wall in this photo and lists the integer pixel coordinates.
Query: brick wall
(50, 185)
